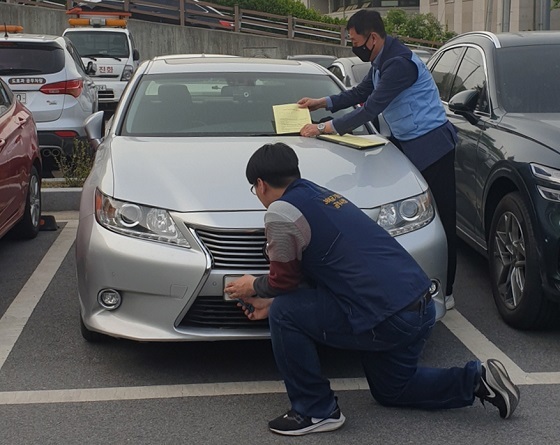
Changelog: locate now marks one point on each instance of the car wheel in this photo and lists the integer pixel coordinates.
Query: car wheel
(91, 336)
(29, 226)
(514, 270)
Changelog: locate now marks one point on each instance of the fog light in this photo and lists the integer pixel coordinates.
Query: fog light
(434, 288)
(110, 299)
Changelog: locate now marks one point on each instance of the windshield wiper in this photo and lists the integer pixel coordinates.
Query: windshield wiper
(107, 56)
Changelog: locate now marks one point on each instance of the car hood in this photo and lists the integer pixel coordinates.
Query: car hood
(541, 127)
(208, 174)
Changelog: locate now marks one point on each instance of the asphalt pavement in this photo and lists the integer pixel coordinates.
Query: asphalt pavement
(55, 388)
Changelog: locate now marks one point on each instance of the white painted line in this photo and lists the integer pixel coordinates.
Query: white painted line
(160, 392)
(16, 316)
(484, 349)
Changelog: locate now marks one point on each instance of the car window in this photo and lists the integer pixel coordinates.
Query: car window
(100, 44)
(5, 99)
(208, 104)
(76, 58)
(443, 72)
(520, 87)
(360, 70)
(30, 58)
(337, 71)
(471, 76)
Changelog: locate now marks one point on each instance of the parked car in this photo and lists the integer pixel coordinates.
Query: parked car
(48, 77)
(20, 167)
(349, 70)
(320, 59)
(424, 54)
(166, 215)
(501, 92)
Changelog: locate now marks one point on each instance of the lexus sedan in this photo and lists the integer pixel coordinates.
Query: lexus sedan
(167, 216)
(20, 168)
(502, 93)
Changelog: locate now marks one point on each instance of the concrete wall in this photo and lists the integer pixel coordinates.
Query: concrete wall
(153, 39)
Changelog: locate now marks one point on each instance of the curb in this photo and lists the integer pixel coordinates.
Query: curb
(60, 199)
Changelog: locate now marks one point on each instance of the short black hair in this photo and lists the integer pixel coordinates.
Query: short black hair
(276, 164)
(366, 21)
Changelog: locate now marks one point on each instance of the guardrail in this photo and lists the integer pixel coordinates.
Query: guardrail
(201, 13)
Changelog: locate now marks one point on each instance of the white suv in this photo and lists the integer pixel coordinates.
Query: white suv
(47, 75)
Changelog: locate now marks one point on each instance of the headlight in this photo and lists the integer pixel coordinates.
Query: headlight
(407, 215)
(546, 173)
(137, 221)
(127, 73)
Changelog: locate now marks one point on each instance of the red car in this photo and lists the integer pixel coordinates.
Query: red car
(20, 167)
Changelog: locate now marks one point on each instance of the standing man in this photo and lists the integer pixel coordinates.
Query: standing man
(399, 85)
(339, 279)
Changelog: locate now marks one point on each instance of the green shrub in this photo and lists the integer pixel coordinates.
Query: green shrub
(75, 168)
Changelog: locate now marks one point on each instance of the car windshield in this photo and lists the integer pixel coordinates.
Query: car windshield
(22, 58)
(523, 89)
(220, 104)
(100, 44)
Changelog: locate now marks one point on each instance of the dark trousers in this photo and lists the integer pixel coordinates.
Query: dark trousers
(390, 353)
(440, 176)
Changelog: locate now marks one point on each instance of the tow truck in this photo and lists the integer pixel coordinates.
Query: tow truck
(103, 38)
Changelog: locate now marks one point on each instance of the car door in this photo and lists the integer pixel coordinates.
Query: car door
(451, 74)
(12, 168)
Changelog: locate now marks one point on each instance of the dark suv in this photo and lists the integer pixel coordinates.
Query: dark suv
(502, 92)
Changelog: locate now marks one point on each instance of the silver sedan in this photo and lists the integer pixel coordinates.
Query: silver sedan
(167, 216)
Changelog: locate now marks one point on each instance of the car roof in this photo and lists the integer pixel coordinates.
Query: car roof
(510, 39)
(226, 64)
(21, 37)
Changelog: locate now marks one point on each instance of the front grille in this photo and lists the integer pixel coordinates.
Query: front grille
(235, 248)
(215, 312)
(105, 94)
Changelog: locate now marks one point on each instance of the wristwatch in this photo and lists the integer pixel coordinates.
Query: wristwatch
(321, 127)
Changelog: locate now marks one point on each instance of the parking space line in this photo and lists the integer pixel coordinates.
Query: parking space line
(160, 392)
(16, 316)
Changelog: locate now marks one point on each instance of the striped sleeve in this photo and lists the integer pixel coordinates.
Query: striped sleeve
(287, 234)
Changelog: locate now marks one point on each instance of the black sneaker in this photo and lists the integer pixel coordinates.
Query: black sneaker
(294, 424)
(497, 388)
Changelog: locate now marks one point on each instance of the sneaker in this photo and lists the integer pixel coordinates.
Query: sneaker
(294, 424)
(497, 388)
(449, 302)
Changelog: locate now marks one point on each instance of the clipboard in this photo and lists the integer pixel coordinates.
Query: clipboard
(354, 141)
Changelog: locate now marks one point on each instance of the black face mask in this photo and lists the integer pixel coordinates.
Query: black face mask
(363, 52)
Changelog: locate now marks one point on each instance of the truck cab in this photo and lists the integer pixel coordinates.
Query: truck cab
(103, 39)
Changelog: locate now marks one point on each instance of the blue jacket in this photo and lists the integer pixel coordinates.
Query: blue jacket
(355, 260)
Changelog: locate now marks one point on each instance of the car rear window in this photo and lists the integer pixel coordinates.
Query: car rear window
(23, 58)
(221, 104)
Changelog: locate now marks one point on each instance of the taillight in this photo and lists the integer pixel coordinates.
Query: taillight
(226, 24)
(71, 87)
(66, 134)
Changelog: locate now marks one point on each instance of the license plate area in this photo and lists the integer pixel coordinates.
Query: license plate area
(101, 87)
(22, 97)
(228, 279)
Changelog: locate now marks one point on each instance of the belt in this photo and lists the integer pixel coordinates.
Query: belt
(423, 301)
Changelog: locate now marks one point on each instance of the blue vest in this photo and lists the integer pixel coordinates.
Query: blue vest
(418, 109)
(353, 259)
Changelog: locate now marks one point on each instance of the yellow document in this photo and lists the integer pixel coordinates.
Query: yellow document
(290, 118)
(354, 141)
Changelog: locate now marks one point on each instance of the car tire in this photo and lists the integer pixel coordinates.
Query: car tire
(514, 268)
(30, 224)
(91, 336)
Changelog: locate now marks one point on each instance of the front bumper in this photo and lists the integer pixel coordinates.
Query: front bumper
(109, 91)
(159, 284)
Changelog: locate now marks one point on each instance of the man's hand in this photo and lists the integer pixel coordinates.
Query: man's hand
(241, 288)
(261, 306)
(312, 104)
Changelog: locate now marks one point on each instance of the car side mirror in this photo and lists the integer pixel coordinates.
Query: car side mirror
(464, 104)
(94, 129)
(91, 68)
(135, 54)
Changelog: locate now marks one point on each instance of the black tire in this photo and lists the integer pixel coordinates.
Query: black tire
(514, 268)
(30, 224)
(91, 336)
